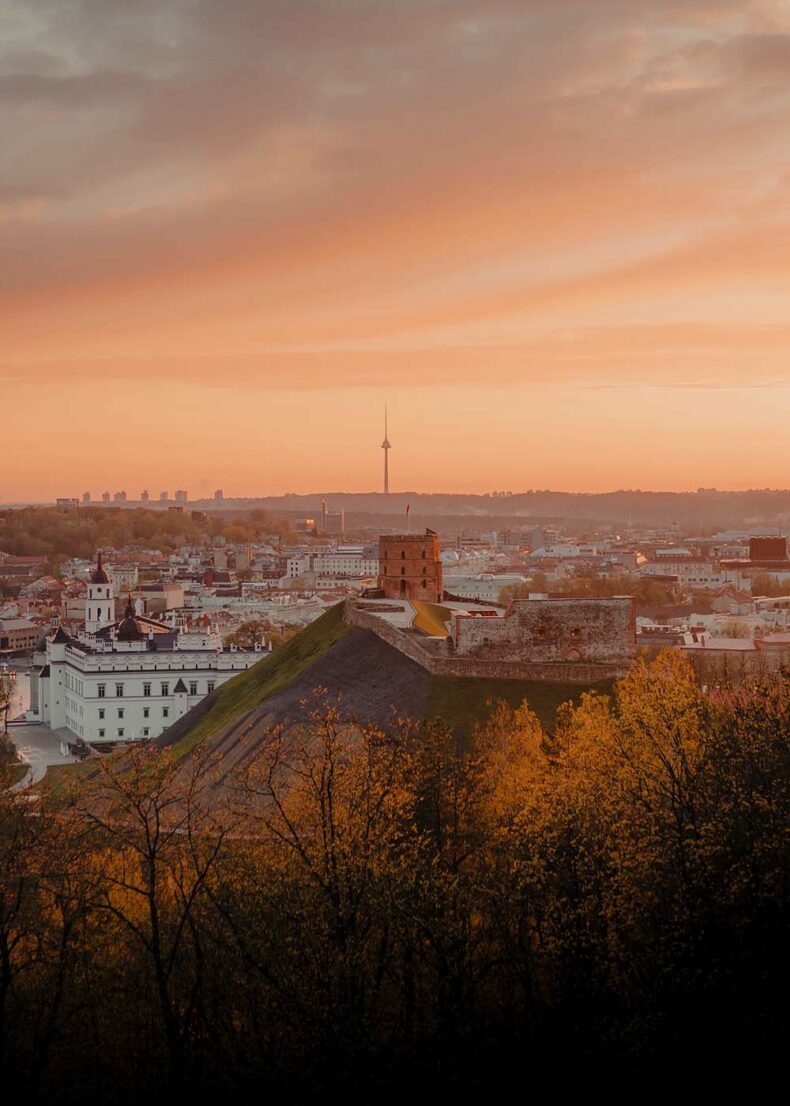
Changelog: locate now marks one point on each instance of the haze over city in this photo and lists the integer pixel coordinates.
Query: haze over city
(553, 235)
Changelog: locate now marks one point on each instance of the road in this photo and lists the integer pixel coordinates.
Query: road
(38, 746)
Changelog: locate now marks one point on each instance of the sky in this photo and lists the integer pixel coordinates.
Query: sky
(553, 235)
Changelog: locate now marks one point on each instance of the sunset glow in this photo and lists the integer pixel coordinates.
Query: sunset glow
(553, 235)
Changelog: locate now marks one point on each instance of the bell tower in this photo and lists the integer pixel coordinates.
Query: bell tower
(99, 604)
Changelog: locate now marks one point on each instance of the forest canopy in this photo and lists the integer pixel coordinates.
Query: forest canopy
(78, 532)
(373, 914)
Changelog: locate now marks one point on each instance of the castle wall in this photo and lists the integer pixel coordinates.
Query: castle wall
(544, 631)
(440, 659)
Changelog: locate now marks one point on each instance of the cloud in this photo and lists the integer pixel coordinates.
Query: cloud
(247, 178)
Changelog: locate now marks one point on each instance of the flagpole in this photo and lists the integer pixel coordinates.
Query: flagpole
(408, 518)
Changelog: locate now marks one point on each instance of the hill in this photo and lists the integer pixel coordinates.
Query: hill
(375, 682)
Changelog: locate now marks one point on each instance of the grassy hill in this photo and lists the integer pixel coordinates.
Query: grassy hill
(257, 684)
(464, 702)
(375, 684)
(431, 618)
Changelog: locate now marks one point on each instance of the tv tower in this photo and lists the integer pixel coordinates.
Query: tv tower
(385, 445)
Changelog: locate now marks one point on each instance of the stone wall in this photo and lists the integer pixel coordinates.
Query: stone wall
(556, 631)
(438, 657)
(408, 643)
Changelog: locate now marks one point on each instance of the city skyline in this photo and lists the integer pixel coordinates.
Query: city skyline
(553, 235)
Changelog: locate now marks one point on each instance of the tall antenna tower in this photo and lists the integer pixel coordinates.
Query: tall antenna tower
(385, 445)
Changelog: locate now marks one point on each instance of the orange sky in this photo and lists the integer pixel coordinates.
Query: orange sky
(555, 235)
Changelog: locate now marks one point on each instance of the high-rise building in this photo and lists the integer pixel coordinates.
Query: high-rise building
(163, 497)
(181, 496)
(144, 497)
(385, 445)
(86, 499)
(218, 495)
(332, 522)
(105, 497)
(120, 497)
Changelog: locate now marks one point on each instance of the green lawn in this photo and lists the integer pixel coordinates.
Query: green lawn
(431, 618)
(59, 778)
(463, 701)
(17, 773)
(13, 769)
(266, 677)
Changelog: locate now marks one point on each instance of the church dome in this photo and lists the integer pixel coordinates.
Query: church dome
(129, 628)
(99, 574)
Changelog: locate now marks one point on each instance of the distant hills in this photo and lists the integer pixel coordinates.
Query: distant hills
(705, 508)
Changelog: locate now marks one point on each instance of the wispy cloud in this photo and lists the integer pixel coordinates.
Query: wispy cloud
(273, 193)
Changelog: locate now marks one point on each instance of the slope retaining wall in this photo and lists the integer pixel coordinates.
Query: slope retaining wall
(444, 664)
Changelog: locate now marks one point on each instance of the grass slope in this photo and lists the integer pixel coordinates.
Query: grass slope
(463, 702)
(431, 618)
(265, 678)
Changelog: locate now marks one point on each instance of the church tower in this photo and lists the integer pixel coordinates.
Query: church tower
(99, 605)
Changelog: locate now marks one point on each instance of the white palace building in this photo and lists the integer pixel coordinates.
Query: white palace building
(130, 679)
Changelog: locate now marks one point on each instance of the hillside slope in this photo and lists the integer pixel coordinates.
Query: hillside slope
(375, 684)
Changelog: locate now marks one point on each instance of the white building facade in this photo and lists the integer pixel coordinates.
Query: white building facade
(130, 679)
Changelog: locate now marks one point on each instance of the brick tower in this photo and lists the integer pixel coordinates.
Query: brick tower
(410, 566)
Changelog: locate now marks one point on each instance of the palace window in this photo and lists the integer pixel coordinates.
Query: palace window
(120, 732)
(101, 733)
(146, 689)
(101, 713)
(120, 712)
(119, 690)
(165, 712)
(210, 686)
(165, 689)
(193, 687)
(101, 690)
(146, 712)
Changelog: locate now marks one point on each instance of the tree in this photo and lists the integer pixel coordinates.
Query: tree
(158, 845)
